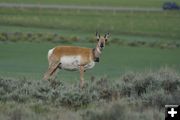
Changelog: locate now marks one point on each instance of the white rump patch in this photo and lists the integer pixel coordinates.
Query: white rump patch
(70, 62)
(50, 52)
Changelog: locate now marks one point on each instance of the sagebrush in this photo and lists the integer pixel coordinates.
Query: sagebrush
(133, 92)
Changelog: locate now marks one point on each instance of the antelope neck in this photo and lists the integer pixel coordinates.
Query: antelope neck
(96, 54)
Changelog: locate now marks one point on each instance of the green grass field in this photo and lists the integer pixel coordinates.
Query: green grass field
(124, 3)
(128, 26)
(164, 24)
(30, 60)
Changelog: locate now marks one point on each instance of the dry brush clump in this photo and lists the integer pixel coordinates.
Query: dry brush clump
(165, 44)
(57, 38)
(154, 88)
(126, 97)
(36, 37)
(122, 111)
(146, 87)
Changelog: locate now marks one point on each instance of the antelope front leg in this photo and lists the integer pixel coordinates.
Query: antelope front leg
(81, 69)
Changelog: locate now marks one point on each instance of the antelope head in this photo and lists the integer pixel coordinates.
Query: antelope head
(101, 40)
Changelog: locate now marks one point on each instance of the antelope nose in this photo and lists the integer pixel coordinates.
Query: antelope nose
(101, 45)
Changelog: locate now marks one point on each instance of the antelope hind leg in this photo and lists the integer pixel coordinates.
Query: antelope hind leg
(51, 70)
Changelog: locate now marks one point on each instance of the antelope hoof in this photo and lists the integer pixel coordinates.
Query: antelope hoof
(45, 77)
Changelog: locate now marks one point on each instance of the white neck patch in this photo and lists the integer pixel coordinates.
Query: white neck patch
(98, 50)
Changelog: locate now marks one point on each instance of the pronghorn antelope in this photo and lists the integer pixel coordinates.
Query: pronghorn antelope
(75, 58)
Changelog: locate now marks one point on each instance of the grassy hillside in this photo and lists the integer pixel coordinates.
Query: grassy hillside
(137, 36)
(163, 24)
(124, 3)
(138, 73)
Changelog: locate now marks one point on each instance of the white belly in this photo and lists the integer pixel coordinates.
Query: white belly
(70, 62)
(73, 63)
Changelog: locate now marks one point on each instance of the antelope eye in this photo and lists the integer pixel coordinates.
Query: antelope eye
(97, 39)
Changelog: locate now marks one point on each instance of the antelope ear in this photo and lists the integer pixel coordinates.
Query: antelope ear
(97, 36)
(106, 36)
